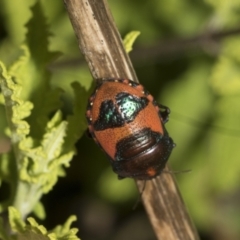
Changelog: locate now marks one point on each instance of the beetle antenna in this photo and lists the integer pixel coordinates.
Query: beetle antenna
(139, 196)
(177, 172)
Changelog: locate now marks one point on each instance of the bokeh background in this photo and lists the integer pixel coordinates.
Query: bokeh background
(188, 57)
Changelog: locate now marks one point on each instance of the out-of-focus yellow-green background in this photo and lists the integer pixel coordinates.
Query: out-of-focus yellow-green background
(188, 57)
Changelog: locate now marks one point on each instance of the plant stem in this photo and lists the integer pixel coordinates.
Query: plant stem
(101, 45)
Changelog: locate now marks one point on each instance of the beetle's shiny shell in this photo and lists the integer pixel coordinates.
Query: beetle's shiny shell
(126, 122)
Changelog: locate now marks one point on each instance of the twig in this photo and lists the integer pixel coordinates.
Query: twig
(100, 43)
(169, 49)
(98, 39)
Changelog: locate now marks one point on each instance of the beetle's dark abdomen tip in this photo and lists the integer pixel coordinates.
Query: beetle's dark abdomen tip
(143, 155)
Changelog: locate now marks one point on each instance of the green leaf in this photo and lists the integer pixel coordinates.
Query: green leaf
(39, 144)
(14, 23)
(15, 220)
(129, 39)
(31, 72)
(64, 232)
(32, 230)
(39, 211)
(38, 37)
(35, 160)
(16, 109)
(42, 160)
(76, 122)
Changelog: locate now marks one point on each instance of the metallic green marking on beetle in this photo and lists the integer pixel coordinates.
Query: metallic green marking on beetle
(130, 105)
(112, 115)
(142, 151)
(109, 117)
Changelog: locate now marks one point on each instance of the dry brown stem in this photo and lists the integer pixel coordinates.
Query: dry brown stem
(101, 45)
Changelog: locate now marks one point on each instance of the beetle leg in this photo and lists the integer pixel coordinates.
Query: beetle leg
(120, 177)
(164, 113)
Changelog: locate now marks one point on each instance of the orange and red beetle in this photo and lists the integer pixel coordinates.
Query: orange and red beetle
(128, 124)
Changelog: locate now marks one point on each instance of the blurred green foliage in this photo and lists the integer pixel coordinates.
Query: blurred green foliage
(33, 230)
(200, 84)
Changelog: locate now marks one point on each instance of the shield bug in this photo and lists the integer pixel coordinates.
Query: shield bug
(128, 124)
